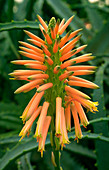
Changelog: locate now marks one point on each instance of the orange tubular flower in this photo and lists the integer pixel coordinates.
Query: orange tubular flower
(78, 132)
(64, 138)
(29, 123)
(68, 118)
(44, 134)
(41, 120)
(58, 116)
(54, 70)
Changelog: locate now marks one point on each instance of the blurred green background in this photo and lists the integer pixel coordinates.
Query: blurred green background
(92, 152)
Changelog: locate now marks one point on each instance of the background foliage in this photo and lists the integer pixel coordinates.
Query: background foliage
(92, 152)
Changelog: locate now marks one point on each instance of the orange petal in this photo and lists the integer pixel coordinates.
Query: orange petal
(42, 22)
(34, 104)
(74, 78)
(82, 84)
(25, 72)
(41, 120)
(67, 63)
(49, 60)
(65, 75)
(70, 43)
(83, 67)
(34, 37)
(58, 116)
(56, 69)
(55, 48)
(83, 72)
(64, 137)
(83, 118)
(38, 76)
(45, 128)
(78, 132)
(49, 41)
(36, 66)
(62, 29)
(29, 123)
(64, 40)
(38, 50)
(53, 35)
(82, 58)
(74, 33)
(68, 118)
(22, 62)
(36, 42)
(44, 87)
(76, 92)
(46, 51)
(67, 55)
(28, 85)
(32, 56)
(62, 23)
(57, 26)
(31, 51)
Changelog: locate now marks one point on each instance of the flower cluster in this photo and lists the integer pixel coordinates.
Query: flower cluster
(53, 69)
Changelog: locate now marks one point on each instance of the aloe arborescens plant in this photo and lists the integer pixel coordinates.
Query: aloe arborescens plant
(53, 70)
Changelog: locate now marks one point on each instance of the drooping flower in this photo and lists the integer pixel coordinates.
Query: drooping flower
(53, 68)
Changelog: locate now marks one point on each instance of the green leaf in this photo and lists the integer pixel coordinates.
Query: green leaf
(63, 10)
(10, 9)
(100, 42)
(25, 162)
(102, 148)
(38, 7)
(9, 139)
(87, 135)
(79, 149)
(93, 15)
(18, 25)
(101, 119)
(20, 149)
(6, 107)
(69, 162)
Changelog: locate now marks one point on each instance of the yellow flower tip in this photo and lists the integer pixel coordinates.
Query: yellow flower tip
(91, 72)
(95, 67)
(12, 78)
(30, 78)
(11, 74)
(29, 40)
(38, 91)
(97, 87)
(25, 31)
(20, 52)
(41, 153)
(17, 92)
(13, 62)
(21, 117)
(79, 36)
(20, 42)
(85, 46)
(87, 97)
(93, 57)
(80, 29)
